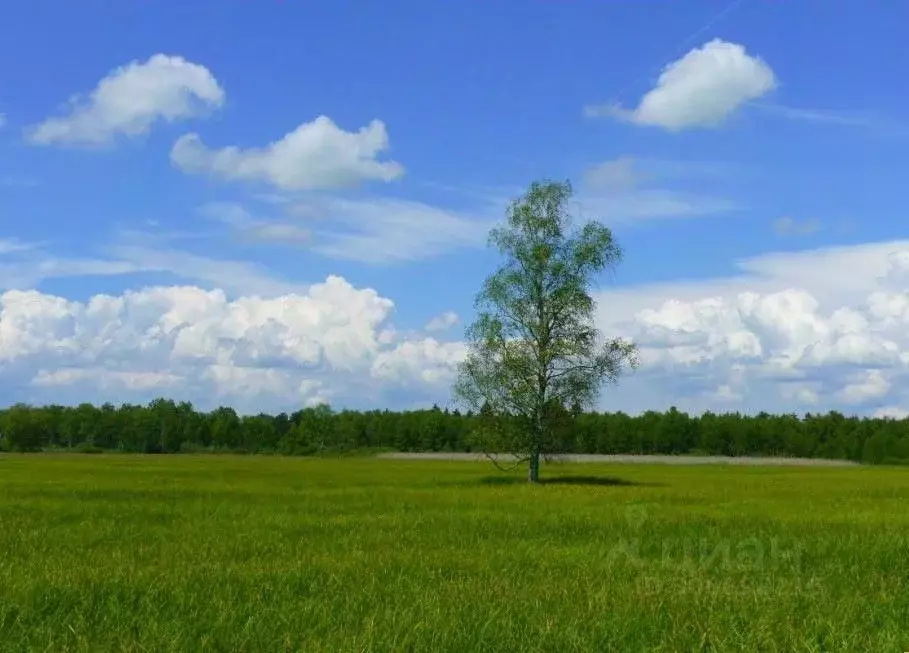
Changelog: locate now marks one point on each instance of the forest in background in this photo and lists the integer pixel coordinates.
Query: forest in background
(165, 426)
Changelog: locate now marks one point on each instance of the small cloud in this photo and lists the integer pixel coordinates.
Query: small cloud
(863, 120)
(442, 322)
(251, 228)
(891, 412)
(702, 89)
(13, 245)
(617, 191)
(130, 99)
(315, 155)
(627, 173)
(652, 204)
(786, 226)
(618, 174)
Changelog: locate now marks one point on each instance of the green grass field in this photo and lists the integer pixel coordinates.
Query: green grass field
(224, 553)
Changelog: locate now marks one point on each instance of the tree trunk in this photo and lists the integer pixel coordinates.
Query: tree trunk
(533, 472)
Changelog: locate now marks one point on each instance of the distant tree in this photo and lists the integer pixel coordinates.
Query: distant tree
(534, 346)
(24, 428)
(312, 433)
(259, 433)
(226, 428)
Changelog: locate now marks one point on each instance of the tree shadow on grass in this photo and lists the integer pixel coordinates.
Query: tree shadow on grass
(610, 481)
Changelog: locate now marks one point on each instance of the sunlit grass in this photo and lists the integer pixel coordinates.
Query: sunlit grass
(262, 554)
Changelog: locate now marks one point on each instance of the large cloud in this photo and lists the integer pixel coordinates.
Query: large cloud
(332, 343)
(820, 329)
(132, 98)
(702, 89)
(812, 330)
(315, 155)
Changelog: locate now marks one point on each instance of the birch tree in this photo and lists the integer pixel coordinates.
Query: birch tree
(534, 353)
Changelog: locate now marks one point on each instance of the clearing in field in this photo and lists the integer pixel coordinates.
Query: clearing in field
(266, 553)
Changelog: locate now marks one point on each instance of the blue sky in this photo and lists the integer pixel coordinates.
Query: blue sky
(748, 156)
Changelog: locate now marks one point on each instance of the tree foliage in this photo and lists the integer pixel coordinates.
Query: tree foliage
(535, 352)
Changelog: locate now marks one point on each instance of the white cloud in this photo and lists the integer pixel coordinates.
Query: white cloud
(868, 121)
(419, 363)
(254, 229)
(107, 379)
(388, 230)
(617, 190)
(130, 99)
(626, 173)
(331, 343)
(891, 412)
(374, 230)
(385, 230)
(316, 155)
(32, 271)
(864, 386)
(702, 89)
(442, 322)
(237, 277)
(805, 330)
(616, 174)
(811, 330)
(786, 226)
(651, 204)
(14, 245)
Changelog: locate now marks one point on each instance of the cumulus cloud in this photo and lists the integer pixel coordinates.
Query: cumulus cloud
(330, 343)
(811, 330)
(822, 328)
(702, 89)
(316, 155)
(891, 412)
(130, 99)
(419, 363)
(442, 322)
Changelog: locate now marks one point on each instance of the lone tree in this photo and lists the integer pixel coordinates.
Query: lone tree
(535, 356)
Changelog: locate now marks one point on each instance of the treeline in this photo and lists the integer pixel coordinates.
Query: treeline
(164, 426)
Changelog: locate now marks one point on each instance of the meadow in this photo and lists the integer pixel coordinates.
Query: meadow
(267, 553)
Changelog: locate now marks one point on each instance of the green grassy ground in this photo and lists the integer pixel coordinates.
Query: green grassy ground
(188, 553)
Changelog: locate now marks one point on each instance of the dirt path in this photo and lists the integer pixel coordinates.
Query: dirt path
(637, 459)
